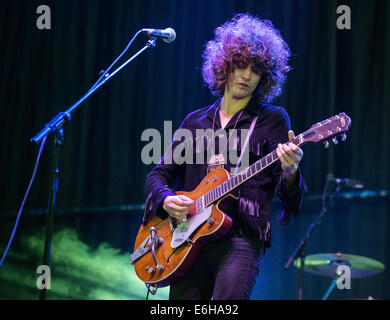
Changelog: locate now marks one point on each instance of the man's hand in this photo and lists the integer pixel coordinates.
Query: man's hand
(289, 155)
(177, 206)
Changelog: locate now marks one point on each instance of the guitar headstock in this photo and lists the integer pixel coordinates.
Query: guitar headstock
(328, 129)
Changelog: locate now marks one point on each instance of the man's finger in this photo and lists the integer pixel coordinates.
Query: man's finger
(296, 151)
(176, 207)
(291, 135)
(185, 203)
(293, 147)
(288, 158)
(289, 151)
(185, 198)
(284, 158)
(178, 215)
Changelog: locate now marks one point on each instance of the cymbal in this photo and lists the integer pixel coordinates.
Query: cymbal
(326, 264)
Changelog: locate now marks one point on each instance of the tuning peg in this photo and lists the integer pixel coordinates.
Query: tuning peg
(343, 137)
(335, 141)
(326, 144)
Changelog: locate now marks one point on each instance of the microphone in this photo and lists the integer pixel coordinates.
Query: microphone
(351, 183)
(168, 34)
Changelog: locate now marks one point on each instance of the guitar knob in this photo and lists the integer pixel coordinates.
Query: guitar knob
(151, 270)
(326, 144)
(210, 221)
(160, 267)
(335, 141)
(343, 137)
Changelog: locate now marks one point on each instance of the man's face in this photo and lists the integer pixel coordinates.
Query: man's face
(242, 82)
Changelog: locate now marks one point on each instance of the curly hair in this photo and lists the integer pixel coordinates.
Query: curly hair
(247, 40)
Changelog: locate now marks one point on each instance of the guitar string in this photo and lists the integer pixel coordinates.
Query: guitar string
(253, 168)
(295, 141)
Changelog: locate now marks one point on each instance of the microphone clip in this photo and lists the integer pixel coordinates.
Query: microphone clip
(151, 42)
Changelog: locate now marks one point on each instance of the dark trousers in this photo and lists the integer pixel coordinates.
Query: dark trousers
(226, 269)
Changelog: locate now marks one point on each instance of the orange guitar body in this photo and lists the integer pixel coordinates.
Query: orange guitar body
(176, 261)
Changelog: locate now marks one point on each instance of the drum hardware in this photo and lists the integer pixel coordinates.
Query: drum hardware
(299, 255)
(327, 265)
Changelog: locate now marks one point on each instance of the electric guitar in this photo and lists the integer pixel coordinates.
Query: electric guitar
(165, 249)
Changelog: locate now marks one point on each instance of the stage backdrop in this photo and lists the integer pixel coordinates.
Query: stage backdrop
(43, 72)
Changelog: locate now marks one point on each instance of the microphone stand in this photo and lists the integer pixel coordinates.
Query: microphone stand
(58, 139)
(55, 126)
(300, 253)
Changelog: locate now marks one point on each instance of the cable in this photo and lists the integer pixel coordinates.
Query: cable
(23, 202)
(153, 292)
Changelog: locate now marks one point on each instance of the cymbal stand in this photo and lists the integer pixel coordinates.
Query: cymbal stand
(299, 252)
(331, 287)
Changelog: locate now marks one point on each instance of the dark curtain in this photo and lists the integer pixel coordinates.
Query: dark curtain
(43, 72)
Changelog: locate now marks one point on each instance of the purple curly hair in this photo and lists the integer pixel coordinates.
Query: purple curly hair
(242, 41)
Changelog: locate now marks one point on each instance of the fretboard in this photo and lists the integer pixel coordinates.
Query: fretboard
(243, 176)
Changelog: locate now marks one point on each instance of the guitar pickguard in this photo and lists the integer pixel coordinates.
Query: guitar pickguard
(184, 230)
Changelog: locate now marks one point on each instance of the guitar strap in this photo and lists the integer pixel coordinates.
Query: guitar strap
(246, 142)
(148, 203)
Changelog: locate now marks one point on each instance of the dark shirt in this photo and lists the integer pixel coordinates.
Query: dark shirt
(251, 214)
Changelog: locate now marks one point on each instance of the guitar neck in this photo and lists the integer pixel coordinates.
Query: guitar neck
(320, 132)
(244, 175)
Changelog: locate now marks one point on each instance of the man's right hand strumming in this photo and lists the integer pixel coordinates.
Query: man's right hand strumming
(177, 206)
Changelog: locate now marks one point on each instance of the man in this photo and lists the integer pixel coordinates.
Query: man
(245, 65)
